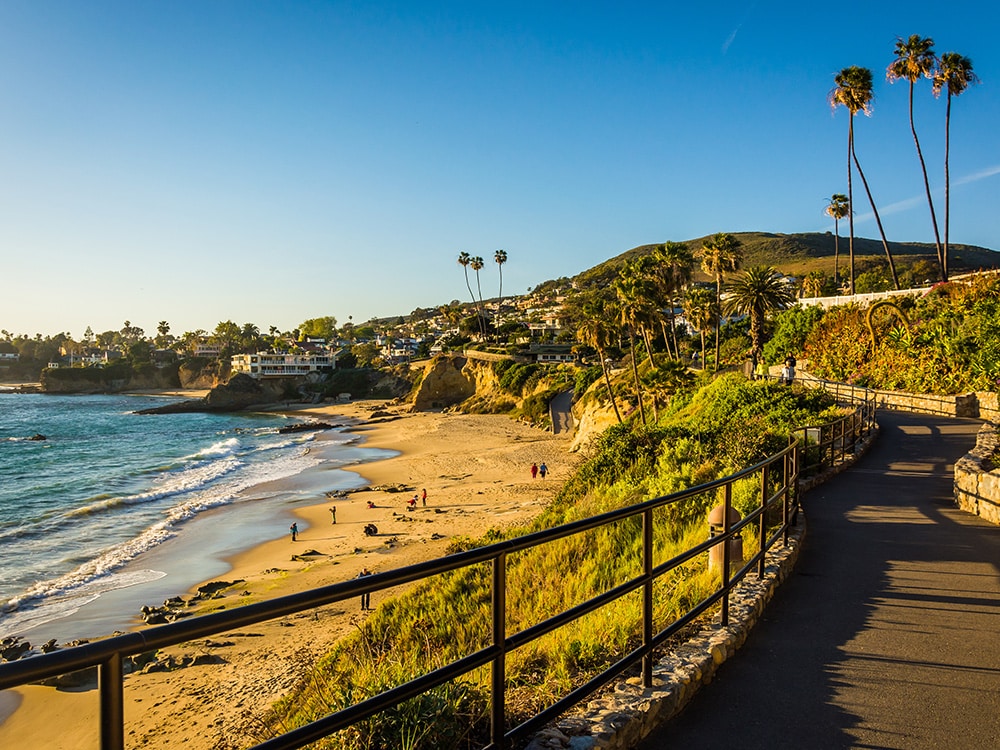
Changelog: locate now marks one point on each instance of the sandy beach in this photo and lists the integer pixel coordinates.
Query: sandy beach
(475, 470)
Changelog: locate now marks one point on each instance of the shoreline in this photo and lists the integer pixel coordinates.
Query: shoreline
(475, 471)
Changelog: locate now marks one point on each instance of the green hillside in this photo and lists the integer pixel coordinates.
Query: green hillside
(800, 254)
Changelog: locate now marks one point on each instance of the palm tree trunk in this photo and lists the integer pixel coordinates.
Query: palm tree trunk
(927, 189)
(607, 382)
(850, 196)
(836, 253)
(479, 318)
(947, 186)
(878, 220)
(666, 339)
(718, 319)
(635, 375)
(499, 303)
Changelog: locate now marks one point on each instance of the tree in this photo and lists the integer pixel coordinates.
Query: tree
(756, 293)
(914, 60)
(854, 91)
(720, 253)
(702, 311)
(477, 264)
(500, 256)
(465, 260)
(597, 330)
(954, 73)
(319, 328)
(839, 207)
(633, 308)
(227, 335)
(677, 263)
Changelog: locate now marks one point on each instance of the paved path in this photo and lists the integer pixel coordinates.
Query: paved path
(559, 411)
(887, 635)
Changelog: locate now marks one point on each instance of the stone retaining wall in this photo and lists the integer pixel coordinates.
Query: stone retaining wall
(977, 480)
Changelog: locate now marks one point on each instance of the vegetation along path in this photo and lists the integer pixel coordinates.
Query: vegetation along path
(887, 635)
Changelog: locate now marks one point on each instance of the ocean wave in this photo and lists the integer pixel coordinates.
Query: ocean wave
(62, 588)
(17, 618)
(183, 482)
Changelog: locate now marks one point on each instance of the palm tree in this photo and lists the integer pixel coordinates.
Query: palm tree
(954, 73)
(500, 256)
(632, 307)
(720, 253)
(597, 331)
(915, 59)
(465, 260)
(677, 263)
(760, 290)
(477, 264)
(839, 207)
(854, 91)
(702, 312)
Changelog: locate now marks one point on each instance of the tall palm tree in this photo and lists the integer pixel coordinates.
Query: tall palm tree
(596, 330)
(632, 306)
(854, 91)
(702, 312)
(954, 73)
(500, 256)
(677, 263)
(465, 260)
(477, 263)
(721, 252)
(757, 292)
(914, 60)
(839, 207)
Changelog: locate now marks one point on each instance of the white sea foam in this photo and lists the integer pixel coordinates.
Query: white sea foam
(71, 589)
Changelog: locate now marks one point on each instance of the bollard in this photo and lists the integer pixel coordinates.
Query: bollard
(716, 527)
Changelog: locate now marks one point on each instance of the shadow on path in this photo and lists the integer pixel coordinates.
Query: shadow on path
(887, 634)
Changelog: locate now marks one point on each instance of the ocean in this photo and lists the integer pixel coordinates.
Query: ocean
(114, 510)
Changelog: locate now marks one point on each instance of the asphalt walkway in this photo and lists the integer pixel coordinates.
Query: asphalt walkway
(887, 634)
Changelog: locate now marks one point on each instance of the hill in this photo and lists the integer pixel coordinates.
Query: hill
(800, 254)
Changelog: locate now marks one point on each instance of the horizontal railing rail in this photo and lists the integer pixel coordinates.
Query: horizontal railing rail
(771, 521)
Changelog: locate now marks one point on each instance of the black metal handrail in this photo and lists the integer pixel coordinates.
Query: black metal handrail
(779, 490)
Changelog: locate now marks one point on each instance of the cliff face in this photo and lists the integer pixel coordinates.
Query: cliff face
(203, 374)
(473, 383)
(106, 380)
(445, 383)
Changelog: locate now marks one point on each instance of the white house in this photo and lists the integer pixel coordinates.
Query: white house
(272, 365)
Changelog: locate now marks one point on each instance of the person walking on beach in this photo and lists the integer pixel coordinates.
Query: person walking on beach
(534, 470)
(543, 470)
(366, 599)
(423, 497)
(333, 514)
(294, 528)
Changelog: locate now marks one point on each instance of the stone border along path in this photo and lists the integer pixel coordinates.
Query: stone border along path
(620, 718)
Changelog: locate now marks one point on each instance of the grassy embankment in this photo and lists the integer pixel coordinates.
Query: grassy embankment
(728, 424)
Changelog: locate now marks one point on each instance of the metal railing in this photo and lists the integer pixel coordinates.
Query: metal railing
(827, 445)
(771, 521)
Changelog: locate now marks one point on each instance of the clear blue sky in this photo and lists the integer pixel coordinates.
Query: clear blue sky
(269, 162)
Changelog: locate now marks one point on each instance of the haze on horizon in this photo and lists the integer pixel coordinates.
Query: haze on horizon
(274, 162)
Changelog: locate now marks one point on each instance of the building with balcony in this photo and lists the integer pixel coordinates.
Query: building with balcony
(280, 365)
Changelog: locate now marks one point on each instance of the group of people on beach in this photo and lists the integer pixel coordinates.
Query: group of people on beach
(539, 470)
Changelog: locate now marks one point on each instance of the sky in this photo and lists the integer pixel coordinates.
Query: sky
(271, 162)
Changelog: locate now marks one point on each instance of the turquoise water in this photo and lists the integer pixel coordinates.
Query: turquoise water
(80, 510)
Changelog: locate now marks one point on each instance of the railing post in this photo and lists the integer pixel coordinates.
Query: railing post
(110, 677)
(727, 503)
(498, 676)
(786, 513)
(647, 598)
(762, 521)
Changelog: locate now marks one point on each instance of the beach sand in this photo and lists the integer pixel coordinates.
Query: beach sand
(475, 469)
